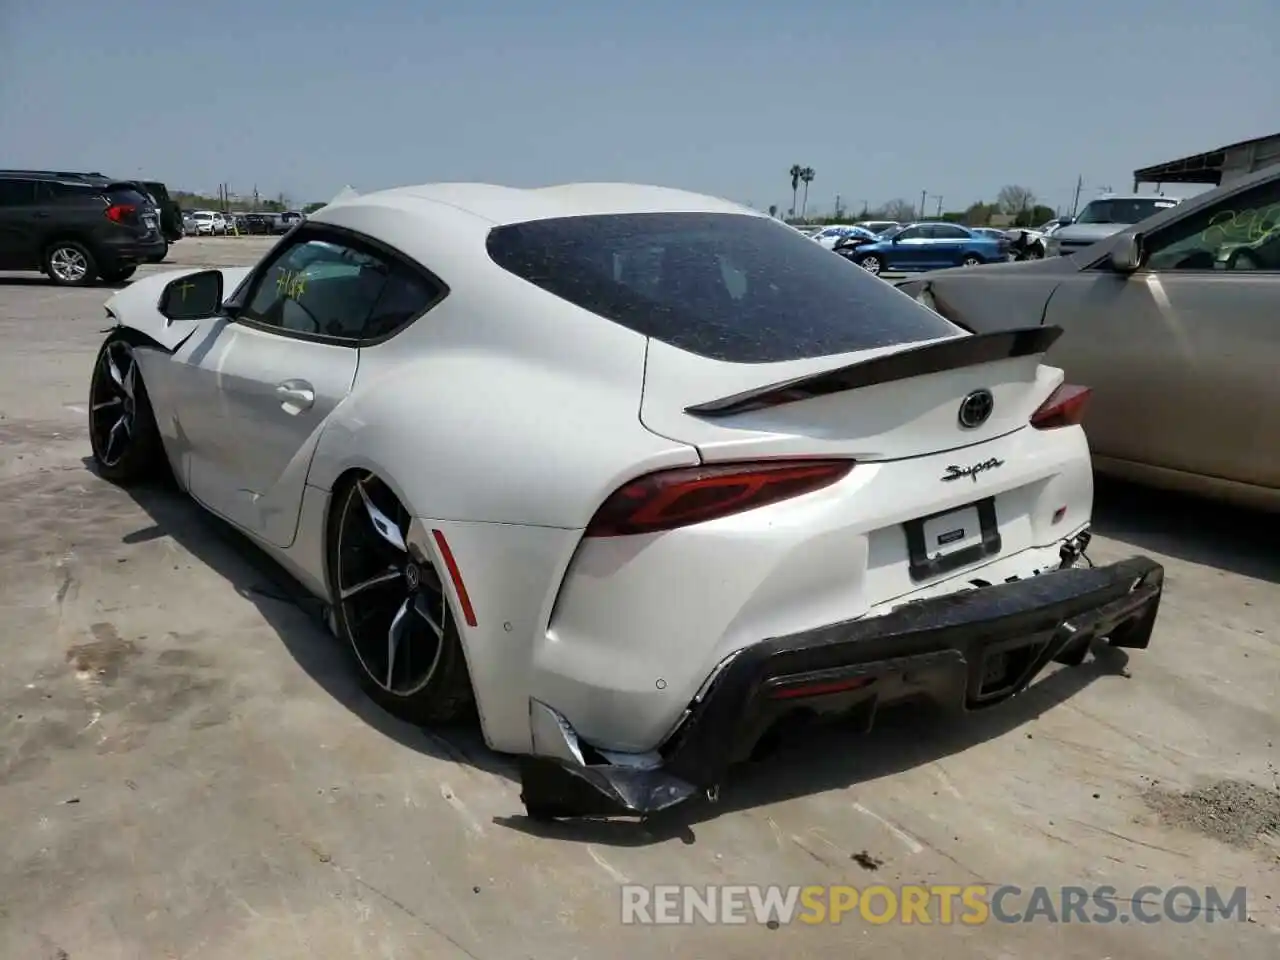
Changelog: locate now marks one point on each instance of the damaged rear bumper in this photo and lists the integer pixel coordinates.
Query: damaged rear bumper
(966, 650)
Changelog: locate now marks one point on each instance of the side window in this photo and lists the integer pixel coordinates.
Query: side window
(913, 233)
(404, 297)
(944, 231)
(319, 287)
(50, 192)
(17, 193)
(1239, 233)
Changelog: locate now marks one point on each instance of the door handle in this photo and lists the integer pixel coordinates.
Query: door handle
(295, 395)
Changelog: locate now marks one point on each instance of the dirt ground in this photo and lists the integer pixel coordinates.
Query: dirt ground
(187, 769)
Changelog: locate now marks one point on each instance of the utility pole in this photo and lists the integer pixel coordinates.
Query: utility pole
(938, 197)
(837, 206)
(1076, 201)
(924, 195)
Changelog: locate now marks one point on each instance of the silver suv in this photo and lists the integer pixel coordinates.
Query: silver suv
(1100, 219)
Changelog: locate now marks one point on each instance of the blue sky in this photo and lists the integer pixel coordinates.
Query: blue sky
(883, 99)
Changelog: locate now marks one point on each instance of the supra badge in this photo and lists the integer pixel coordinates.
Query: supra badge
(976, 408)
(955, 473)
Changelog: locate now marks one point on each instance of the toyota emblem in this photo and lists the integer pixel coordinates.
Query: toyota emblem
(975, 409)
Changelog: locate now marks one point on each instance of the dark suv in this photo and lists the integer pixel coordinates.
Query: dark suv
(170, 212)
(75, 227)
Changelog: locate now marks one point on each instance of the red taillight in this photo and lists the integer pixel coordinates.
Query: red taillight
(118, 211)
(1064, 408)
(687, 495)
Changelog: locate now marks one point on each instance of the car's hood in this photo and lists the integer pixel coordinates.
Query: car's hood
(1021, 268)
(998, 296)
(1088, 232)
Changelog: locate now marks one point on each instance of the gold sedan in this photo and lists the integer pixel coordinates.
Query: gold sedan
(1175, 325)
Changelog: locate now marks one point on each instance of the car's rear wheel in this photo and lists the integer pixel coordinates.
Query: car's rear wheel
(872, 263)
(391, 609)
(971, 260)
(70, 264)
(123, 436)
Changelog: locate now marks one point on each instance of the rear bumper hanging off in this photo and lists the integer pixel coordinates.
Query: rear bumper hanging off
(967, 650)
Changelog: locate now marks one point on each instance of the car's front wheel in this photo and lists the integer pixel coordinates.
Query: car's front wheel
(123, 436)
(872, 263)
(391, 609)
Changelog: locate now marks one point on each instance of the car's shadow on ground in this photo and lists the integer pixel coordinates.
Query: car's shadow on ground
(299, 621)
(816, 761)
(1246, 542)
(35, 281)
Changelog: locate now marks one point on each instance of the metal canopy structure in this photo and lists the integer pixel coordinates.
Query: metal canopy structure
(1214, 167)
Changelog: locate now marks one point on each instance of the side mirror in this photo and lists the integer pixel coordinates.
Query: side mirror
(193, 297)
(1126, 255)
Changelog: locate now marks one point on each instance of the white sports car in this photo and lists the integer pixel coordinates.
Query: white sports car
(633, 472)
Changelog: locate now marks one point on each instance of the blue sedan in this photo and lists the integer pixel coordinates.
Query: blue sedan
(929, 246)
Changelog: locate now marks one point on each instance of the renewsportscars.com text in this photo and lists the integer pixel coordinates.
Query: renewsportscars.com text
(936, 904)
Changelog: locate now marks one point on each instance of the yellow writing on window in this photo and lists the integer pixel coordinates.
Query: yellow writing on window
(1241, 226)
(291, 284)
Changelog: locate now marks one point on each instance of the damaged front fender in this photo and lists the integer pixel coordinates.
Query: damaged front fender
(137, 306)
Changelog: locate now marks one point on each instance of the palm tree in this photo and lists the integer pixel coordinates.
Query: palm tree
(796, 171)
(806, 175)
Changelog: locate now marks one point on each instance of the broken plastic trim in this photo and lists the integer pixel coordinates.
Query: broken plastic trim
(564, 779)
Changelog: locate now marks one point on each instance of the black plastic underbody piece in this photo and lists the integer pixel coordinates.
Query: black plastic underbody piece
(967, 650)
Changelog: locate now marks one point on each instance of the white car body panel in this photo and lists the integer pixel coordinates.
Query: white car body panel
(547, 409)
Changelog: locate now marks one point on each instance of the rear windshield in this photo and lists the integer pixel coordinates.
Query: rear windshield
(726, 286)
(118, 194)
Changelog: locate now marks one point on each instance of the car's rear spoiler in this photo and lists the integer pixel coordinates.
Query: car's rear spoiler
(953, 354)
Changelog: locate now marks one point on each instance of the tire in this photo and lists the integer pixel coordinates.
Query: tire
(70, 264)
(1035, 251)
(133, 453)
(426, 682)
(972, 260)
(160, 258)
(119, 274)
(872, 263)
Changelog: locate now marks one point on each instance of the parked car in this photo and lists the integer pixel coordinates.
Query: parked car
(1101, 218)
(1173, 322)
(291, 218)
(257, 223)
(75, 228)
(893, 508)
(830, 236)
(929, 246)
(170, 212)
(203, 223)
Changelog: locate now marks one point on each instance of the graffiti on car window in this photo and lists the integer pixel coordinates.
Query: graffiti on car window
(1241, 226)
(291, 284)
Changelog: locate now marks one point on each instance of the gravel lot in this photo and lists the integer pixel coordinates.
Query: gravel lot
(187, 770)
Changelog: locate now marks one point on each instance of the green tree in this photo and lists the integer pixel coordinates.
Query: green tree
(796, 170)
(806, 177)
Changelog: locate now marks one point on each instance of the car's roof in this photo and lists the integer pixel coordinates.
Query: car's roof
(503, 205)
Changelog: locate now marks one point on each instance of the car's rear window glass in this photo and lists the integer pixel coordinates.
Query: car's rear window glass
(726, 286)
(128, 195)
